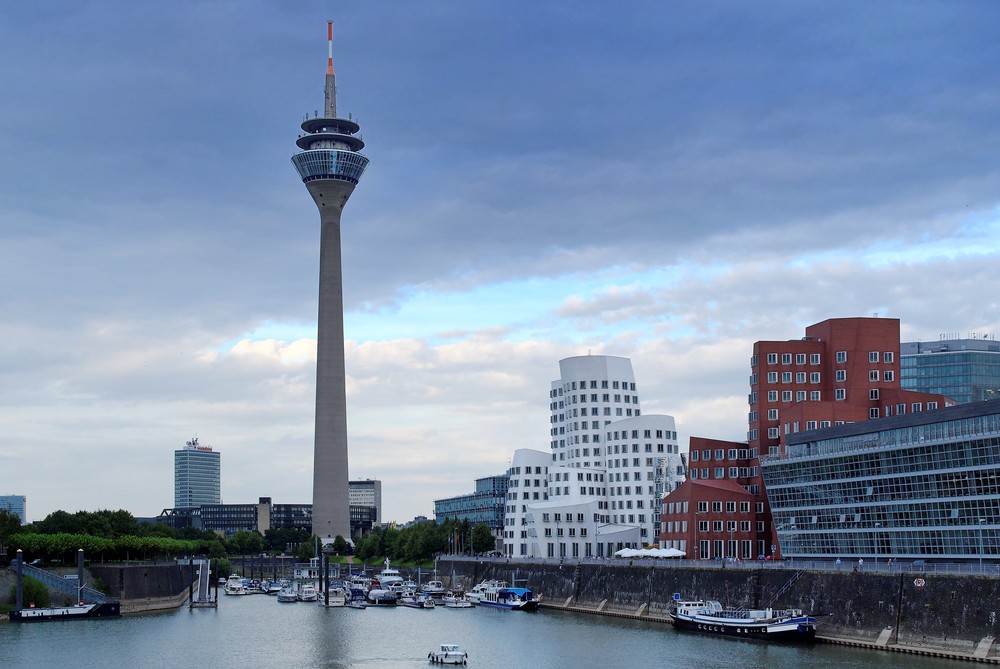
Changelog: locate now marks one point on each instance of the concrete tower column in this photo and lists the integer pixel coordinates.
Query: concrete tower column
(330, 166)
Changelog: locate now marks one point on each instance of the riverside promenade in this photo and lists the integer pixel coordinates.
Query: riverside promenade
(947, 611)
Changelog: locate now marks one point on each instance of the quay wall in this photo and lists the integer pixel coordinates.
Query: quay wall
(146, 587)
(956, 613)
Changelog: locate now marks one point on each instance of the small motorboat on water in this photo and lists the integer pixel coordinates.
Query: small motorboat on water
(416, 601)
(711, 617)
(308, 593)
(449, 653)
(457, 600)
(287, 595)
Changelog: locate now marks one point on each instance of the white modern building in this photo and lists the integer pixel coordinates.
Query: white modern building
(197, 476)
(600, 486)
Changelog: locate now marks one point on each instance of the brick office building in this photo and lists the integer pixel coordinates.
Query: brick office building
(844, 370)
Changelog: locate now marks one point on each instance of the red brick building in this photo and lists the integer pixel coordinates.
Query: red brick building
(843, 370)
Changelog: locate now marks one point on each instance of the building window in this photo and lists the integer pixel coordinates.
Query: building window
(900, 409)
(841, 356)
(717, 507)
(873, 412)
(810, 425)
(786, 396)
(873, 394)
(772, 377)
(840, 394)
(873, 375)
(702, 507)
(915, 407)
(772, 395)
(814, 359)
(932, 405)
(872, 356)
(888, 376)
(772, 414)
(786, 377)
(800, 396)
(814, 377)
(815, 395)
(800, 377)
(772, 358)
(772, 433)
(841, 375)
(786, 358)
(888, 357)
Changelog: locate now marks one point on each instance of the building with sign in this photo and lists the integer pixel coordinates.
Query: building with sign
(197, 476)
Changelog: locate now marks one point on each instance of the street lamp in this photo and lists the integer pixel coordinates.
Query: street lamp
(697, 546)
(982, 521)
(877, 525)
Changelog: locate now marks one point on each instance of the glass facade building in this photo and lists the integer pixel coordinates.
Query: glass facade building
(485, 505)
(16, 504)
(920, 485)
(197, 476)
(967, 370)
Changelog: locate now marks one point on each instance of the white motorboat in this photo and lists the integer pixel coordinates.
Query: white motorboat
(416, 601)
(511, 599)
(480, 589)
(307, 593)
(389, 578)
(449, 653)
(287, 595)
(457, 600)
(434, 588)
(335, 596)
(234, 586)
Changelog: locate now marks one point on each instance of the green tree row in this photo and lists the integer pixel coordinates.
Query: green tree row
(421, 542)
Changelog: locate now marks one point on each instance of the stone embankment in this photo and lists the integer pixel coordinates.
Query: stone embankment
(945, 615)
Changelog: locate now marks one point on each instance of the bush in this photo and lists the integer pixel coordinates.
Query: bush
(34, 592)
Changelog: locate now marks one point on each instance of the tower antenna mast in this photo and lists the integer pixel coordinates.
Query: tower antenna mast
(330, 109)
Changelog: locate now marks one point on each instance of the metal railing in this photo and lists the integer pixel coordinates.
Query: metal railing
(67, 585)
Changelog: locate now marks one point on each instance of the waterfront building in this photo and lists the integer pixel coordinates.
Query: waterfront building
(918, 485)
(228, 519)
(17, 505)
(330, 166)
(844, 370)
(485, 505)
(197, 476)
(966, 370)
(720, 511)
(599, 487)
(366, 493)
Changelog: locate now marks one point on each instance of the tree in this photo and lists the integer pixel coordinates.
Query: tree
(483, 540)
(10, 524)
(33, 592)
(340, 545)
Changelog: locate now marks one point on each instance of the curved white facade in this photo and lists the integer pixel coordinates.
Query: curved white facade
(608, 468)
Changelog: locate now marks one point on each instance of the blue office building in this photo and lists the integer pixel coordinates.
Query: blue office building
(920, 485)
(15, 504)
(966, 370)
(485, 505)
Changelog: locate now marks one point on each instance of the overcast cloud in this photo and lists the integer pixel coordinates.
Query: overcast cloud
(668, 182)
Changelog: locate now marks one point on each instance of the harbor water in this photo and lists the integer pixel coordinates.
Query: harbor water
(258, 631)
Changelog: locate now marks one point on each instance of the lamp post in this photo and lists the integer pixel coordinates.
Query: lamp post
(877, 525)
(697, 546)
(982, 521)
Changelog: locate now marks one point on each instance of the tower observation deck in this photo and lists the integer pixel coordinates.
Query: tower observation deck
(330, 166)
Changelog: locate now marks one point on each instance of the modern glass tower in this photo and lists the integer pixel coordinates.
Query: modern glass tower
(197, 472)
(330, 167)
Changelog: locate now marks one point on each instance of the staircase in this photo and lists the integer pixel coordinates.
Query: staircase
(785, 588)
(69, 586)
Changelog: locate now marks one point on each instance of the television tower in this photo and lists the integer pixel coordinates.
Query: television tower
(330, 167)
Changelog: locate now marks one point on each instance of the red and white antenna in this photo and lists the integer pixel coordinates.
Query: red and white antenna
(329, 47)
(330, 110)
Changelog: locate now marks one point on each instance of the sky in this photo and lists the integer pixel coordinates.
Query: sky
(665, 181)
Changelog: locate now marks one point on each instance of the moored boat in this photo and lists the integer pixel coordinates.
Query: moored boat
(307, 593)
(480, 588)
(710, 617)
(78, 612)
(512, 599)
(456, 600)
(287, 595)
(235, 586)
